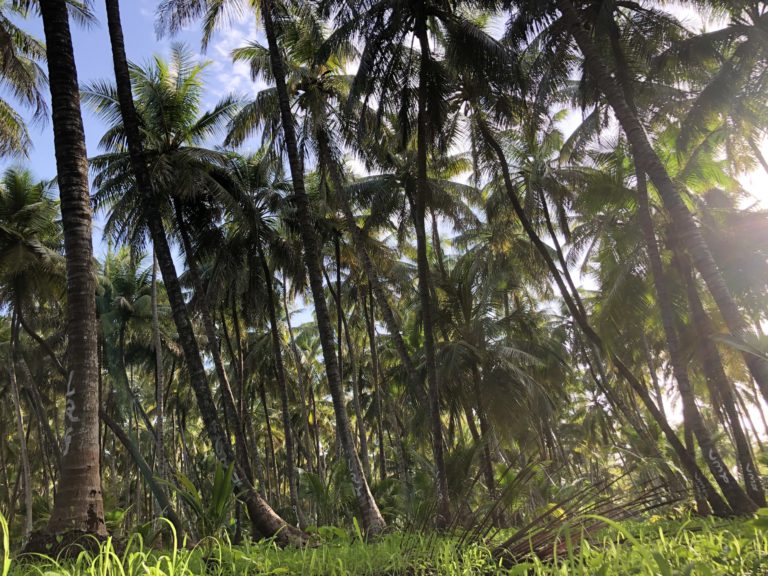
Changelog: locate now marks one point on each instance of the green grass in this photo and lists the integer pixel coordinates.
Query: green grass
(700, 547)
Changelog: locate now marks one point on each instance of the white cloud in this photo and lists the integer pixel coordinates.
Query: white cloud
(227, 77)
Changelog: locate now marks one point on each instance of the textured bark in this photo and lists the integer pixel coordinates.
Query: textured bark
(424, 275)
(160, 462)
(687, 462)
(26, 476)
(689, 233)
(737, 498)
(78, 505)
(264, 520)
(373, 522)
(719, 383)
(282, 383)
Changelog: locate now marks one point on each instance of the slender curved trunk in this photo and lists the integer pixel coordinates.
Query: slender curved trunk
(78, 505)
(282, 382)
(354, 380)
(373, 521)
(370, 324)
(158, 491)
(737, 498)
(358, 242)
(357, 405)
(696, 476)
(646, 158)
(719, 383)
(422, 265)
(161, 465)
(302, 382)
(265, 521)
(26, 476)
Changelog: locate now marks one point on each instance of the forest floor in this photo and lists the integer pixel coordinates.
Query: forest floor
(653, 546)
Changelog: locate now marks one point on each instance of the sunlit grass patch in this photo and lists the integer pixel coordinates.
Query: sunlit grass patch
(653, 546)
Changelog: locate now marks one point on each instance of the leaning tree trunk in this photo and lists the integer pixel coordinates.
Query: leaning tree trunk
(233, 417)
(282, 382)
(265, 521)
(719, 383)
(161, 464)
(26, 476)
(647, 159)
(358, 242)
(78, 505)
(373, 521)
(737, 498)
(369, 312)
(422, 265)
(688, 463)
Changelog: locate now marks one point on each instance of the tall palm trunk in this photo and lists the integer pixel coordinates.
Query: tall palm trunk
(233, 417)
(373, 522)
(370, 323)
(282, 382)
(356, 403)
(737, 498)
(422, 265)
(718, 380)
(302, 383)
(160, 463)
(78, 504)
(647, 159)
(26, 476)
(358, 241)
(265, 521)
(687, 461)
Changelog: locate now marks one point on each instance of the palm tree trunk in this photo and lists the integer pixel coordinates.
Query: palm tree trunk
(646, 158)
(356, 404)
(737, 498)
(282, 383)
(26, 476)
(355, 379)
(78, 504)
(359, 241)
(302, 382)
(696, 476)
(373, 522)
(161, 465)
(422, 265)
(265, 521)
(715, 374)
(133, 448)
(370, 323)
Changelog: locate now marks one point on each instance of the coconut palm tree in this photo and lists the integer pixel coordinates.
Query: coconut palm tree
(173, 14)
(142, 151)
(21, 74)
(79, 505)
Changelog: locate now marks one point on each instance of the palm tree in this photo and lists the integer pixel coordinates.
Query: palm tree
(265, 521)
(388, 69)
(256, 186)
(648, 160)
(21, 74)
(79, 505)
(177, 13)
(30, 259)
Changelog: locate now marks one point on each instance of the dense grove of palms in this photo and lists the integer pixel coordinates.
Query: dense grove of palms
(454, 262)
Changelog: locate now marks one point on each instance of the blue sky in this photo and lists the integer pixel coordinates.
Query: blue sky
(94, 62)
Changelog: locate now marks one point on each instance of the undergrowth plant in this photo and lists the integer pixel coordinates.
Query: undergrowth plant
(654, 547)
